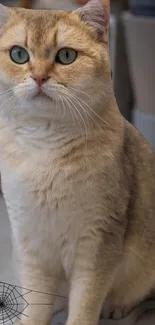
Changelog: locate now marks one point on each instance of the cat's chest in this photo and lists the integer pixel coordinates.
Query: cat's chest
(46, 206)
(44, 195)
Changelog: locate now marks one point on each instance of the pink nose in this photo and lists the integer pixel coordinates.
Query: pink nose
(39, 79)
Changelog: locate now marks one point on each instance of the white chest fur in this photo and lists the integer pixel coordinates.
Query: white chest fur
(45, 205)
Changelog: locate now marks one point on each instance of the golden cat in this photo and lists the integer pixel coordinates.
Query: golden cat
(78, 180)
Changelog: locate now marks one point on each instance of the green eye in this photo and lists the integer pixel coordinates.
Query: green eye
(19, 55)
(66, 56)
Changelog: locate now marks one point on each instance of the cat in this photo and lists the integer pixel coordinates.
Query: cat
(78, 179)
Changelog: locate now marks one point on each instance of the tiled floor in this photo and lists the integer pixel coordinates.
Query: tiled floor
(8, 272)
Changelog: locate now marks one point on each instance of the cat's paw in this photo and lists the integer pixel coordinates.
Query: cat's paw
(116, 313)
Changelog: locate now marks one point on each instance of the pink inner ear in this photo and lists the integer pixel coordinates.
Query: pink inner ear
(97, 14)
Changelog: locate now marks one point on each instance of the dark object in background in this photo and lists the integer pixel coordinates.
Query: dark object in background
(27, 4)
(22, 3)
(122, 81)
(118, 5)
(143, 7)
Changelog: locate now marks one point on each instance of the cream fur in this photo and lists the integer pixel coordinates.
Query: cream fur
(79, 193)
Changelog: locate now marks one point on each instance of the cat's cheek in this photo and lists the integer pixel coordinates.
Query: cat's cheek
(5, 79)
(23, 94)
(26, 90)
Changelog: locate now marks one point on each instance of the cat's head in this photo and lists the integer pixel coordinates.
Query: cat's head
(54, 64)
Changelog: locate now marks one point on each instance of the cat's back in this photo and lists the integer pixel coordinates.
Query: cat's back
(140, 160)
(141, 156)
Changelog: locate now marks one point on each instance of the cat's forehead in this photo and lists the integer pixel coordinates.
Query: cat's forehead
(42, 23)
(37, 29)
(41, 30)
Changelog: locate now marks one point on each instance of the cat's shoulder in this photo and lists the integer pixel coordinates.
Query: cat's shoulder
(135, 140)
(139, 153)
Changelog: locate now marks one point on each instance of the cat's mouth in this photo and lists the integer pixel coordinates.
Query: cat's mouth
(41, 95)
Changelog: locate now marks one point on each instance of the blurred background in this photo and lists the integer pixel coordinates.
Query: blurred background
(132, 50)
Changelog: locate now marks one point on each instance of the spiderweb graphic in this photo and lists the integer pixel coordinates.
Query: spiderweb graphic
(13, 303)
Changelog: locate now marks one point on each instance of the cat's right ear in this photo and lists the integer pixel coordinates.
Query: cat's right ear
(96, 13)
(4, 15)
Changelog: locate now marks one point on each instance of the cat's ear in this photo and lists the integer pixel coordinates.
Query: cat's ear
(96, 13)
(4, 15)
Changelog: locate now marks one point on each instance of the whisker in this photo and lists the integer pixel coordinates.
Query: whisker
(105, 122)
(6, 91)
(7, 100)
(87, 113)
(72, 96)
(86, 131)
(13, 102)
(72, 111)
(64, 109)
(86, 136)
(76, 115)
(80, 102)
(80, 91)
(56, 107)
(59, 112)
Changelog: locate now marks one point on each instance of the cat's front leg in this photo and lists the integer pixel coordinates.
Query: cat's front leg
(43, 287)
(91, 278)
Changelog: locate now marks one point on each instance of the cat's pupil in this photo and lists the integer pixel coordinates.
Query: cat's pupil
(20, 54)
(67, 54)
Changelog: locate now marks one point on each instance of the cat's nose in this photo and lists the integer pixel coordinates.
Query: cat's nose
(39, 79)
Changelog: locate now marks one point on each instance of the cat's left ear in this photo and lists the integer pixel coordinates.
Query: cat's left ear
(96, 13)
(4, 15)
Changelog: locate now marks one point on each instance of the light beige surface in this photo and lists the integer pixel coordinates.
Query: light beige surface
(8, 272)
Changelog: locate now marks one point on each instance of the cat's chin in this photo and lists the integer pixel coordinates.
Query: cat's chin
(38, 106)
